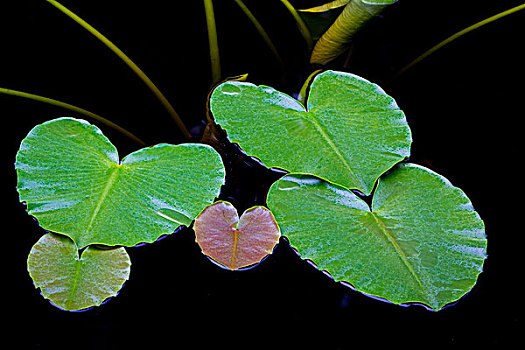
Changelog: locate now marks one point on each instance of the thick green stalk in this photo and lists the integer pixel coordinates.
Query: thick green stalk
(213, 42)
(456, 36)
(169, 108)
(338, 37)
(74, 109)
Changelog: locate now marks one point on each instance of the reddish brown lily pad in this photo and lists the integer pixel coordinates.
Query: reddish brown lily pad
(234, 242)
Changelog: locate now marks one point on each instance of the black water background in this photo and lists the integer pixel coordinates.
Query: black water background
(463, 105)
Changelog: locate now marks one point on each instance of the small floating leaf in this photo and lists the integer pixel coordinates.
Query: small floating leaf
(420, 242)
(70, 176)
(74, 283)
(350, 132)
(234, 242)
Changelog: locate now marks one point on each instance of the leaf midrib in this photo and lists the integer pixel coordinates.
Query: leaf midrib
(234, 248)
(111, 180)
(391, 239)
(75, 281)
(334, 147)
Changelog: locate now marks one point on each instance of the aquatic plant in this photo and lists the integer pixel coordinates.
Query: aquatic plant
(420, 241)
(350, 180)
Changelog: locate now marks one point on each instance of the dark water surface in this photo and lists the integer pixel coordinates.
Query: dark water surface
(462, 104)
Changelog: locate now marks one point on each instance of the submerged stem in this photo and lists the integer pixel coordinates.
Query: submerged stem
(456, 36)
(74, 109)
(169, 108)
(213, 42)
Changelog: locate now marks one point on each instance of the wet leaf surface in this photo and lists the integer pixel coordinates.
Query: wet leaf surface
(350, 132)
(420, 242)
(70, 176)
(233, 242)
(72, 282)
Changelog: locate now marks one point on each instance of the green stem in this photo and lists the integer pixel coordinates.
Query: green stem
(169, 108)
(74, 109)
(261, 31)
(303, 28)
(213, 42)
(456, 36)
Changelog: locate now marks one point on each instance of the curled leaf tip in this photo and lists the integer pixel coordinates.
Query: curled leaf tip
(326, 7)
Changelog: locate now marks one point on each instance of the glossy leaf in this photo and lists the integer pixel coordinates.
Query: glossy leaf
(70, 176)
(421, 242)
(233, 242)
(350, 132)
(72, 282)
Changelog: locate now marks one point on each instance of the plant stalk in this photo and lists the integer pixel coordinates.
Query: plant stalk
(213, 42)
(338, 37)
(74, 109)
(456, 36)
(164, 101)
(303, 28)
(261, 31)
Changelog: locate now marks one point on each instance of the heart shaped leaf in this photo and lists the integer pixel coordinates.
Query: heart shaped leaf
(74, 283)
(70, 176)
(350, 133)
(421, 242)
(233, 242)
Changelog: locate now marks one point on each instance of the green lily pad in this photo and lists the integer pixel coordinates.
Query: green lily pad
(350, 132)
(420, 242)
(72, 282)
(232, 242)
(70, 176)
